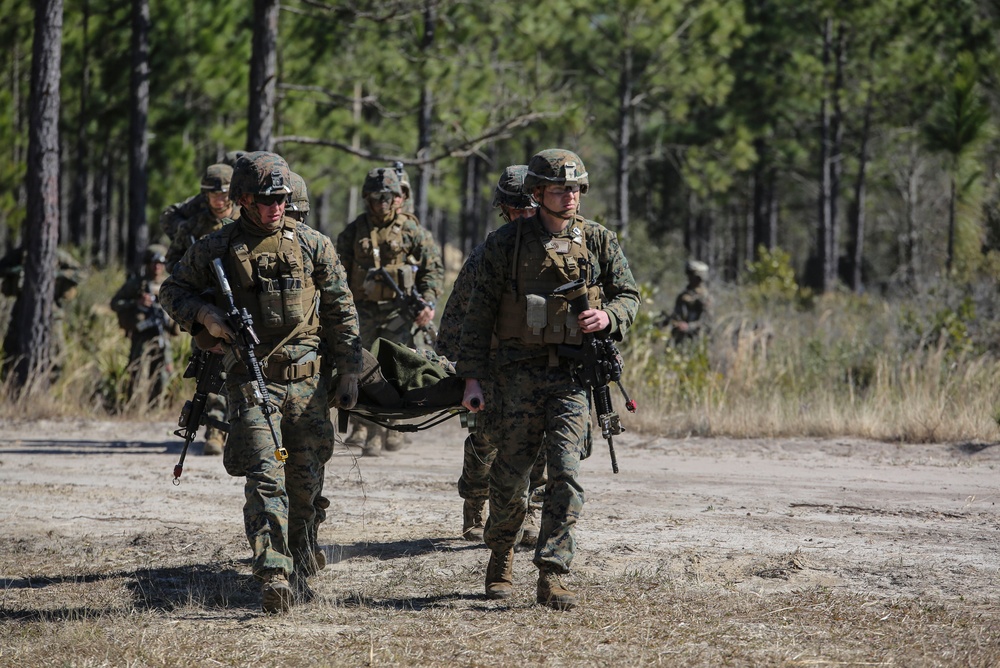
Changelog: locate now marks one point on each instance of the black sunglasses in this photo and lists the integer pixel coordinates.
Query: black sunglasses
(270, 200)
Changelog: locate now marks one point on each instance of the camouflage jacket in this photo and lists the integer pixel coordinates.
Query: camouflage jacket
(194, 228)
(450, 331)
(693, 306)
(610, 271)
(177, 213)
(419, 246)
(182, 295)
(144, 322)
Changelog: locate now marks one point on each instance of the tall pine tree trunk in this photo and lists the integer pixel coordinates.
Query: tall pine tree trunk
(824, 230)
(625, 83)
(42, 219)
(83, 203)
(858, 207)
(263, 76)
(138, 140)
(424, 121)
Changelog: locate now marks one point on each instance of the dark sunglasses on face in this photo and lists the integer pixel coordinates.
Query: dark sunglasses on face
(269, 200)
(382, 198)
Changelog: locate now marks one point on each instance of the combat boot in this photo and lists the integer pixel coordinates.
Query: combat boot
(215, 441)
(552, 593)
(373, 446)
(395, 440)
(500, 575)
(276, 593)
(358, 437)
(472, 519)
(529, 530)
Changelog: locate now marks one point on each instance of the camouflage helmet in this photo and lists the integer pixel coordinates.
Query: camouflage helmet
(260, 173)
(382, 180)
(299, 201)
(556, 166)
(696, 268)
(510, 189)
(155, 253)
(217, 178)
(404, 178)
(232, 157)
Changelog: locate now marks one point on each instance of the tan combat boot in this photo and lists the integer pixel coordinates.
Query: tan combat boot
(552, 593)
(472, 519)
(215, 441)
(373, 446)
(358, 437)
(529, 530)
(395, 440)
(500, 575)
(276, 593)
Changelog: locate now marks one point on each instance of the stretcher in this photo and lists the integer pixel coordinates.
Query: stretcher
(407, 391)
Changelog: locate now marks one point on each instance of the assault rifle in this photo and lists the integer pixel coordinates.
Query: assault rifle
(412, 304)
(255, 391)
(600, 363)
(154, 318)
(206, 367)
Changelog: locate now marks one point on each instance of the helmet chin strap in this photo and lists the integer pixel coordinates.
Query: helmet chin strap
(559, 214)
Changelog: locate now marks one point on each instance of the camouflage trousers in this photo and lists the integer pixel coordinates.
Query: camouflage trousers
(283, 505)
(479, 452)
(531, 401)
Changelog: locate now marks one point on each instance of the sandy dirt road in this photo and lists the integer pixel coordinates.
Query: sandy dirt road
(758, 518)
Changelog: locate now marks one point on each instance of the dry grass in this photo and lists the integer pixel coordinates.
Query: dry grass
(425, 609)
(850, 367)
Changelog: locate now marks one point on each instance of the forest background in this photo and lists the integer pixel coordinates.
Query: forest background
(834, 163)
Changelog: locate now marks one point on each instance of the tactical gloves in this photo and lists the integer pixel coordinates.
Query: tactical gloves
(214, 321)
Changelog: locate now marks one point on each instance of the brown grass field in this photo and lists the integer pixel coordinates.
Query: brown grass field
(701, 552)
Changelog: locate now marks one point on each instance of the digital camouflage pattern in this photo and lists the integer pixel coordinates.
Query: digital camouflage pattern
(201, 224)
(217, 178)
(282, 501)
(177, 213)
(535, 399)
(556, 166)
(149, 330)
(299, 201)
(382, 180)
(260, 173)
(509, 190)
(385, 318)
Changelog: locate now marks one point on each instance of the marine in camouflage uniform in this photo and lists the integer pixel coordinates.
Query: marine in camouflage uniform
(691, 316)
(385, 237)
(177, 213)
(298, 201)
(404, 184)
(289, 278)
(217, 210)
(149, 329)
(480, 448)
(536, 389)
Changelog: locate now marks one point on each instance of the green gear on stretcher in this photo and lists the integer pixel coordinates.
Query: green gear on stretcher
(399, 383)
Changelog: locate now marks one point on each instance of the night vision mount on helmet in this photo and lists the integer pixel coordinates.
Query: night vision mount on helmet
(556, 166)
(260, 173)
